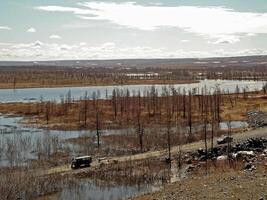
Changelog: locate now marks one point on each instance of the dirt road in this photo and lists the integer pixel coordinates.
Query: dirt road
(65, 169)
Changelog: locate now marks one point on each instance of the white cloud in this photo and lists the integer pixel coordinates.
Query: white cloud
(76, 11)
(109, 45)
(184, 41)
(55, 37)
(214, 22)
(5, 28)
(243, 52)
(37, 44)
(251, 34)
(226, 39)
(82, 43)
(31, 30)
(50, 51)
(47, 51)
(75, 25)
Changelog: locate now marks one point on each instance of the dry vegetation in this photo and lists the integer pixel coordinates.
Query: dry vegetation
(125, 111)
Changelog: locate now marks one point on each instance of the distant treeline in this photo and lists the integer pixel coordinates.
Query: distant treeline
(17, 77)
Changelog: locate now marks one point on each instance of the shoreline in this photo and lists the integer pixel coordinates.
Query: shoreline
(153, 82)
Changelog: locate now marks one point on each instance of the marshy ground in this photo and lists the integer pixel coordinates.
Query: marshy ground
(154, 123)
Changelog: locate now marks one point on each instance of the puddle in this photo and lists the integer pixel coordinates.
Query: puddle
(234, 125)
(85, 189)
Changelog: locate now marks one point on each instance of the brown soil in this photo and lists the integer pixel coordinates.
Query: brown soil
(216, 186)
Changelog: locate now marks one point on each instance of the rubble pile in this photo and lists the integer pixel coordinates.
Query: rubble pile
(247, 151)
(251, 144)
(211, 153)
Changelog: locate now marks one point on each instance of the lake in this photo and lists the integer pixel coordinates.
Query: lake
(35, 94)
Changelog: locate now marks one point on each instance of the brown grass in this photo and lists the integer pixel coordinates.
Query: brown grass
(241, 106)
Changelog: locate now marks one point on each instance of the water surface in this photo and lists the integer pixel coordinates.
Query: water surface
(56, 94)
(87, 189)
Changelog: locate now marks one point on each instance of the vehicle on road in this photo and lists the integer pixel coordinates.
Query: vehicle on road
(80, 162)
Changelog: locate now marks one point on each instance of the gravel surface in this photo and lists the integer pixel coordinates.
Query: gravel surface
(231, 185)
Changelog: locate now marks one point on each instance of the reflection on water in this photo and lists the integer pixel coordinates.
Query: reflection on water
(84, 189)
(19, 144)
(87, 189)
(55, 94)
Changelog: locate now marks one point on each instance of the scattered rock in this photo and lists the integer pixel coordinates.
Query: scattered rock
(201, 152)
(249, 166)
(262, 156)
(244, 154)
(221, 158)
(188, 160)
(189, 168)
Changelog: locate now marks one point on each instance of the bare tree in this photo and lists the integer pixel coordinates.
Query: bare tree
(140, 128)
(97, 123)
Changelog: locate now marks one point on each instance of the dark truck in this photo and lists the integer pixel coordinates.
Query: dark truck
(79, 162)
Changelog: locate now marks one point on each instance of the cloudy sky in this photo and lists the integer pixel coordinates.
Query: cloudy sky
(83, 29)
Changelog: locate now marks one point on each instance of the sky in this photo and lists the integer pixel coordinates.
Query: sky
(82, 29)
